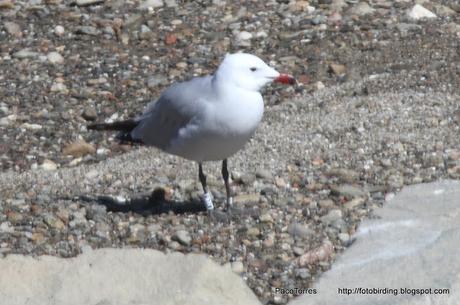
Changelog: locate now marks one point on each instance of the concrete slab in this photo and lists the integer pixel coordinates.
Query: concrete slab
(405, 256)
(120, 276)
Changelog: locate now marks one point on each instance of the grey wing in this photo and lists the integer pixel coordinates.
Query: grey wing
(175, 109)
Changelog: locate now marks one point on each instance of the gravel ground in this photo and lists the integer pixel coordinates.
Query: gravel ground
(377, 107)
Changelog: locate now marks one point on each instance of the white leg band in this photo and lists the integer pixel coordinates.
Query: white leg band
(207, 199)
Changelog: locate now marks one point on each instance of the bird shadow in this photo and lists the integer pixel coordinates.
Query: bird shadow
(152, 204)
(156, 203)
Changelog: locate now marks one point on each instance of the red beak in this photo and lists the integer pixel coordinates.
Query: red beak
(285, 79)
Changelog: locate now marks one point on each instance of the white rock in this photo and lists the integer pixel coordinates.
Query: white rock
(6, 227)
(59, 87)
(111, 276)
(151, 4)
(31, 126)
(48, 165)
(362, 9)
(243, 39)
(59, 30)
(8, 120)
(419, 12)
(55, 58)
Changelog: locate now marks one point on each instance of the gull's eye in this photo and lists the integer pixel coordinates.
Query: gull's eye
(253, 69)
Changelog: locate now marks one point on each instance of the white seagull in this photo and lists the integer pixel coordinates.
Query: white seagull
(206, 118)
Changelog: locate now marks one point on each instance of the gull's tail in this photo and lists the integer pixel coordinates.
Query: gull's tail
(124, 128)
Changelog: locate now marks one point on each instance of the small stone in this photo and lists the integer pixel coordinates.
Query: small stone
(237, 267)
(344, 237)
(319, 85)
(87, 30)
(48, 165)
(302, 273)
(8, 120)
(26, 53)
(13, 28)
(59, 30)
(183, 237)
(354, 203)
(320, 254)
(151, 4)
(298, 251)
(53, 222)
(361, 9)
(89, 113)
(245, 198)
(338, 69)
(253, 232)
(170, 39)
(279, 182)
(332, 216)
(419, 12)
(156, 80)
(264, 174)
(29, 126)
(326, 203)
(6, 4)
(55, 58)
(246, 179)
(5, 227)
(78, 149)
(265, 218)
(347, 190)
(243, 39)
(298, 230)
(59, 87)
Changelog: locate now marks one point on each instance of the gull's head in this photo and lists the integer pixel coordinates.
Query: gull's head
(249, 72)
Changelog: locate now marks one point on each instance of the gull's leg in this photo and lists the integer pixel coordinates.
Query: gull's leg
(207, 199)
(228, 190)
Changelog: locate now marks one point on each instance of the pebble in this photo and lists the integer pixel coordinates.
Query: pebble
(29, 126)
(302, 273)
(419, 12)
(55, 58)
(338, 69)
(183, 237)
(264, 174)
(13, 28)
(151, 3)
(59, 30)
(344, 237)
(332, 216)
(26, 53)
(59, 87)
(78, 149)
(243, 39)
(253, 232)
(347, 190)
(265, 218)
(361, 9)
(298, 230)
(89, 113)
(48, 165)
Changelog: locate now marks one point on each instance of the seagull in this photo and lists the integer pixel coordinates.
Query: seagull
(206, 118)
